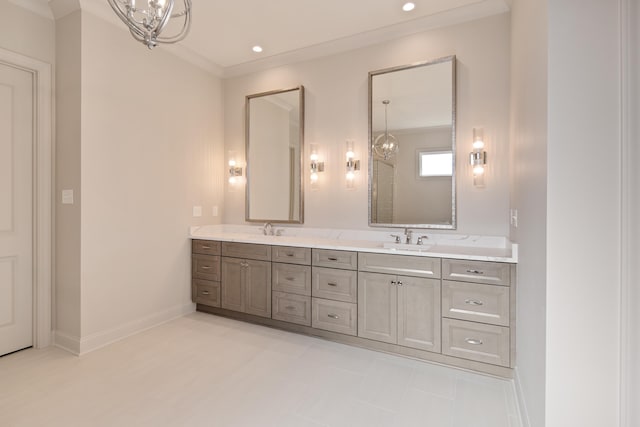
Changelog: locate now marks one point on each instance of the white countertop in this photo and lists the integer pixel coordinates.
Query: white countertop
(449, 245)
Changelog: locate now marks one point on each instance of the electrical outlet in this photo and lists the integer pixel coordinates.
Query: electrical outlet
(513, 214)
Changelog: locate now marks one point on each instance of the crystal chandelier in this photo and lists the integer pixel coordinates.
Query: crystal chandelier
(147, 21)
(385, 145)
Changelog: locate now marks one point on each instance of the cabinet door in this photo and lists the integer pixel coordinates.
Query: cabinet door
(377, 307)
(419, 313)
(257, 284)
(232, 291)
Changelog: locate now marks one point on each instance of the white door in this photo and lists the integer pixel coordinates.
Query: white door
(16, 193)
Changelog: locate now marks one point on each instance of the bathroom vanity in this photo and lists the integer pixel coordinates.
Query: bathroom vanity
(445, 302)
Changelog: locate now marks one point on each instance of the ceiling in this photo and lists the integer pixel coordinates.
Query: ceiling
(224, 31)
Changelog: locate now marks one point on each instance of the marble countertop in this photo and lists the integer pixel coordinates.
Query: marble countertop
(442, 245)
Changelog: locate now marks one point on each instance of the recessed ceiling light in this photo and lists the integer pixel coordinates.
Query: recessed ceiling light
(407, 7)
(257, 49)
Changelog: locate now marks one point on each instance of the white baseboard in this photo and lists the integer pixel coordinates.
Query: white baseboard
(522, 405)
(98, 340)
(67, 342)
(84, 345)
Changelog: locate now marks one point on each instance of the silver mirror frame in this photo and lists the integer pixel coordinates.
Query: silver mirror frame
(372, 74)
(300, 160)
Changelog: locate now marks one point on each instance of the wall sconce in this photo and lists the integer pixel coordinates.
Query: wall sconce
(235, 171)
(478, 157)
(352, 164)
(315, 166)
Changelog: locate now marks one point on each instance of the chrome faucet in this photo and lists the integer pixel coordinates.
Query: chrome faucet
(421, 240)
(267, 230)
(408, 234)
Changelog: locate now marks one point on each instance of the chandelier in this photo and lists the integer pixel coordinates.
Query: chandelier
(385, 145)
(146, 21)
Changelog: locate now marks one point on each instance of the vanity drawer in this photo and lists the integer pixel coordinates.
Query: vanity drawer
(291, 255)
(295, 279)
(291, 308)
(246, 250)
(492, 273)
(331, 283)
(206, 292)
(335, 259)
(476, 341)
(205, 267)
(336, 316)
(406, 265)
(475, 302)
(205, 247)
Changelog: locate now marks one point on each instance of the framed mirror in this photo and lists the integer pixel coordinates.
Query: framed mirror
(412, 145)
(274, 137)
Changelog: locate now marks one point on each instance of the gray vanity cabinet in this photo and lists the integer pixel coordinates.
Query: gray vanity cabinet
(205, 272)
(401, 310)
(246, 282)
(291, 284)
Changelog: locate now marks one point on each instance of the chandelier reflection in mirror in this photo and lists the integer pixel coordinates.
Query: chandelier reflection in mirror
(147, 19)
(385, 145)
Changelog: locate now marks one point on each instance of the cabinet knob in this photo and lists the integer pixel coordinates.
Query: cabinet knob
(473, 341)
(333, 316)
(400, 283)
(393, 282)
(473, 302)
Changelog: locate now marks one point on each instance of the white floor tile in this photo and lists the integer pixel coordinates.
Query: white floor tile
(204, 370)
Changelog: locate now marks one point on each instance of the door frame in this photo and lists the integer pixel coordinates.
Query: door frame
(43, 181)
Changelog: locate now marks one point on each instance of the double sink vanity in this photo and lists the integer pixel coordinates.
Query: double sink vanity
(450, 301)
(438, 296)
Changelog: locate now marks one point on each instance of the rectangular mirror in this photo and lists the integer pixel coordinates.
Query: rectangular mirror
(412, 145)
(274, 145)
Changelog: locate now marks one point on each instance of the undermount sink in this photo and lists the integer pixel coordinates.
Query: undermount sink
(406, 247)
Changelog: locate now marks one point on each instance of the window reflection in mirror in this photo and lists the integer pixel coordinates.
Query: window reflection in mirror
(412, 145)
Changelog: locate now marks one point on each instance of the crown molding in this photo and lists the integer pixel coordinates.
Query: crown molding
(481, 9)
(39, 7)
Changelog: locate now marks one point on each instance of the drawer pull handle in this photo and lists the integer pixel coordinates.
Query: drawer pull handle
(473, 341)
(475, 271)
(205, 292)
(206, 267)
(332, 284)
(290, 279)
(206, 247)
(290, 307)
(473, 302)
(244, 264)
(333, 316)
(332, 258)
(289, 254)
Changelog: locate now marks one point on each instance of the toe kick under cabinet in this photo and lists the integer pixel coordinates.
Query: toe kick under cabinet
(452, 311)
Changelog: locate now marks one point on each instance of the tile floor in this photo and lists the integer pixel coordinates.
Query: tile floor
(203, 370)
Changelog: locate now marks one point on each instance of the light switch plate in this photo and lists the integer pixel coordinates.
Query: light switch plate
(67, 197)
(197, 211)
(214, 211)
